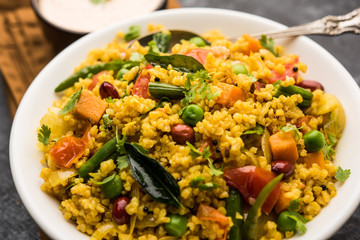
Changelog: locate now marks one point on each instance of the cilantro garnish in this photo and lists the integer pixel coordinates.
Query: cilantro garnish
(71, 103)
(44, 134)
(342, 174)
(268, 43)
(120, 144)
(201, 88)
(122, 162)
(194, 182)
(289, 128)
(294, 206)
(206, 155)
(106, 119)
(328, 150)
(110, 100)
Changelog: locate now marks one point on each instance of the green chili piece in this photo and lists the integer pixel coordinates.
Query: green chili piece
(112, 186)
(249, 227)
(291, 90)
(159, 90)
(233, 206)
(85, 71)
(177, 225)
(101, 155)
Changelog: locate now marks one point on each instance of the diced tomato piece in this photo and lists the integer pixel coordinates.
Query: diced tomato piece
(95, 79)
(288, 72)
(250, 180)
(141, 86)
(68, 150)
(199, 54)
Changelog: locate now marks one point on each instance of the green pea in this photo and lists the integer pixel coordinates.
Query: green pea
(239, 68)
(121, 73)
(112, 186)
(285, 222)
(192, 114)
(314, 141)
(177, 225)
(198, 41)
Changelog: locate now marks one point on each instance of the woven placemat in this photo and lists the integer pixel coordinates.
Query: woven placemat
(24, 49)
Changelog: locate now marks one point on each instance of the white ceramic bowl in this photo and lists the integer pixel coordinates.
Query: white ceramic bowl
(25, 157)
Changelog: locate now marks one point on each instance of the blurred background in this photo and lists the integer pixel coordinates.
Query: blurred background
(24, 51)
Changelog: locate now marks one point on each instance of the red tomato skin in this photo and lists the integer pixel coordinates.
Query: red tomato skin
(199, 54)
(141, 86)
(288, 72)
(95, 80)
(68, 150)
(250, 180)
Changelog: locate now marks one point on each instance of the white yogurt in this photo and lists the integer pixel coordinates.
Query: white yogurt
(84, 16)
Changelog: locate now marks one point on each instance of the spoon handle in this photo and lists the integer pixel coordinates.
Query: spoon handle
(329, 25)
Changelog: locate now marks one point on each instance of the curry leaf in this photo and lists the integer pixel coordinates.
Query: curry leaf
(153, 177)
(179, 62)
(71, 103)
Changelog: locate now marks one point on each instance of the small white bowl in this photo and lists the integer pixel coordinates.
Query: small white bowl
(322, 66)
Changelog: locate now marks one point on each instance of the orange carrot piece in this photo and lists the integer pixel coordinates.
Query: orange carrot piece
(283, 202)
(283, 147)
(90, 107)
(230, 94)
(315, 157)
(206, 212)
(253, 43)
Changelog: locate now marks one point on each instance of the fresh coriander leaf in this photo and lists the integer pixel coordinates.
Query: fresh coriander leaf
(259, 130)
(110, 100)
(193, 151)
(300, 225)
(214, 171)
(153, 48)
(120, 144)
(206, 153)
(328, 150)
(194, 182)
(208, 186)
(294, 205)
(268, 43)
(342, 175)
(122, 162)
(133, 32)
(44, 134)
(71, 103)
(289, 128)
(106, 119)
(200, 88)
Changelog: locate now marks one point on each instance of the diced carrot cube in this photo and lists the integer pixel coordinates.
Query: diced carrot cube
(315, 157)
(90, 107)
(283, 147)
(283, 202)
(253, 43)
(230, 94)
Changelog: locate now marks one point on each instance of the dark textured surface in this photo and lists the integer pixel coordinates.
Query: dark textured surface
(15, 222)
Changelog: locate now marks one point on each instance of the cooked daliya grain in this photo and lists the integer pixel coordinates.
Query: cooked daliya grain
(243, 125)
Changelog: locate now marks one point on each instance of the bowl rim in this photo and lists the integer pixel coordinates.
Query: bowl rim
(40, 15)
(350, 208)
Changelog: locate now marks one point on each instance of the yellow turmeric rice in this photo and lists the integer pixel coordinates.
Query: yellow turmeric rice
(238, 121)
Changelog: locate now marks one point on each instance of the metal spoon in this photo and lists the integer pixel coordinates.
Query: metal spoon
(329, 25)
